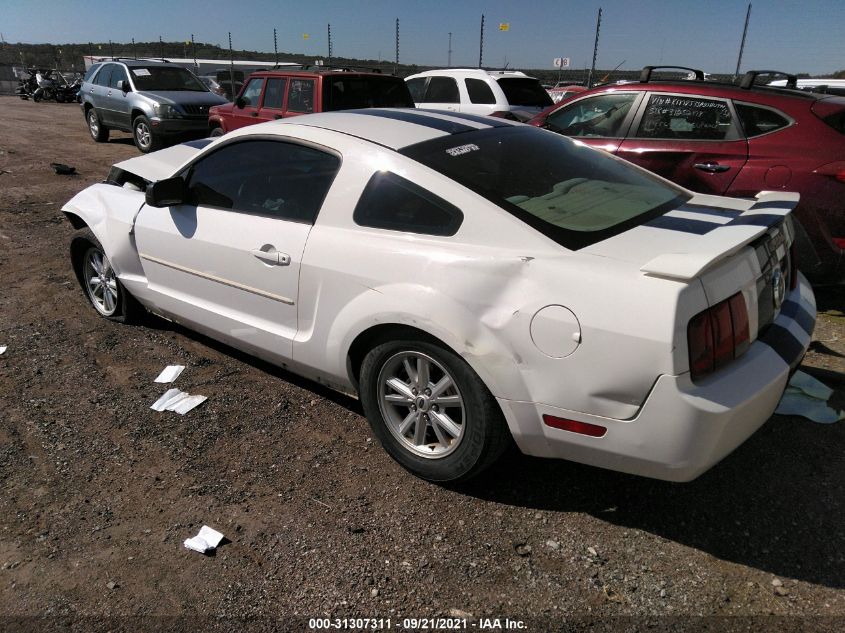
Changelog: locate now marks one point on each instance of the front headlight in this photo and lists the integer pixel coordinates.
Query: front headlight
(166, 111)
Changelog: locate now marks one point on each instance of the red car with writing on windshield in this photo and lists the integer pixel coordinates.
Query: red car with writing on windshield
(730, 140)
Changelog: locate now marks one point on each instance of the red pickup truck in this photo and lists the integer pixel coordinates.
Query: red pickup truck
(277, 94)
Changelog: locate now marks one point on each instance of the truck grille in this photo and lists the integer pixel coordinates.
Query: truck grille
(774, 257)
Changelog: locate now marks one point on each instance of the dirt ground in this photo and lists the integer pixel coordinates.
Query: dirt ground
(98, 491)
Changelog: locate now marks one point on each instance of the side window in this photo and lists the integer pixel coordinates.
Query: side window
(442, 90)
(252, 93)
(602, 115)
(392, 202)
(417, 88)
(479, 91)
(301, 97)
(757, 121)
(271, 178)
(685, 117)
(117, 74)
(103, 77)
(91, 72)
(274, 94)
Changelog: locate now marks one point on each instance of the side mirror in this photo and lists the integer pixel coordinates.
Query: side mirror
(240, 102)
(167, 192)
(123, 86)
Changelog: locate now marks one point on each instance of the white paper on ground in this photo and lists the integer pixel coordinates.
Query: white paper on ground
(2, 349)
(207, 540)
(807, 397)
(170, 394)
(170, 373)
(186, 404)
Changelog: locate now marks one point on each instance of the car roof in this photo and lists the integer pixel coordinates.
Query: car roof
(319, 72)
(394, 128)
(496, 74)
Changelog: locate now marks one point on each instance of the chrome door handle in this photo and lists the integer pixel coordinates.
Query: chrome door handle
(712, 168)
(272, 257)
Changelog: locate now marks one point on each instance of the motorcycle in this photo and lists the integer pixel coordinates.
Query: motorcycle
(68, 91)
(27, 85)
(46, 86)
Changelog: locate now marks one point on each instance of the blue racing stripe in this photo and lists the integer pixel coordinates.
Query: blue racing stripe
(775, 205)
(784, 343)
(699, 227)
(761, 219)
(797, 313)
(486, 120)
(443, 125)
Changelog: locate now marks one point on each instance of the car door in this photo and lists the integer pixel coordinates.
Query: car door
(273, 101)
(98, 90)
(116, 101)
(442, 93)
(301, 97)
(227, 263)
(600, 120)
(690, 139)
(249, 100)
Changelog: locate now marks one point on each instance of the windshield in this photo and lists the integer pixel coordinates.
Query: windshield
(571, 193)
(525, 92)
(163, 78)
(363, 91)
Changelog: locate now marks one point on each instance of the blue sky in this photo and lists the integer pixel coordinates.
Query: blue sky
(792, 35)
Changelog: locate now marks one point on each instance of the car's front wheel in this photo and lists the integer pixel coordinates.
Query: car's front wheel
(431, 411)
(99, 132)
(99, 280)
(145, 139)
(218, 131)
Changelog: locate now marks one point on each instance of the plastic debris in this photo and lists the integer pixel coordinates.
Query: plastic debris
(62, 169)
(807, 397)
(206, 541)
(2, 349)
(170, 373)
(178, 401)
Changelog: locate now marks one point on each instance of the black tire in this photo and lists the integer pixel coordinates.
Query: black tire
(123, 307)
(98, 131)
(142, 133)
(218, 131)
(485, 434)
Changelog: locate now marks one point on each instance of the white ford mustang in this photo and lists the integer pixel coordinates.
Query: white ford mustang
(473, 280)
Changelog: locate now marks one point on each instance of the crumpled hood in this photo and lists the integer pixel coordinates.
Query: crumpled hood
(684, 242)
(163, 163)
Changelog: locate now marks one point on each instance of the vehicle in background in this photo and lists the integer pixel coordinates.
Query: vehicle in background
(472, 279)
(210, 82)
(728, 139)
(563, 91)
(820, 85)
(506, 93)
(278, 94)
(156, 101)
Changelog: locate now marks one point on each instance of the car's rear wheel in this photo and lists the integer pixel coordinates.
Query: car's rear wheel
(99, 132)
(145, 139)
(99, 280)
(218, 131)
(431, 411)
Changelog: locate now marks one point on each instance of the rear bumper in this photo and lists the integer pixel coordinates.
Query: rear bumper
(683, 428)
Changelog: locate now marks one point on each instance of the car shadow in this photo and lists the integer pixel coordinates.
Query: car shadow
(767, 505)
(774, 504)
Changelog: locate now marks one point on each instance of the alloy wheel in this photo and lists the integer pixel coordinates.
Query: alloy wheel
(100, 282)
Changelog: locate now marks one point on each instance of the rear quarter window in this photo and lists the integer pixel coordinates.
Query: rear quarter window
(91, 72)
(392, 202)
(757, 120)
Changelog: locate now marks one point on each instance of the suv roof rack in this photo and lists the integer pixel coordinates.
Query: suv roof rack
(137, 59)
(645, 74)
(748, 78)
(326, 69)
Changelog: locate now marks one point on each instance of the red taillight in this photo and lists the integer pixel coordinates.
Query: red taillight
(840, 242)
(835, 170)
(584, 428)
(718, 335)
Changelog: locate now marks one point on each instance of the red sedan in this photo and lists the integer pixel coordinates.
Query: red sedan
(728, 139)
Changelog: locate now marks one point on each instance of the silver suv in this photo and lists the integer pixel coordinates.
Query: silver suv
(155, 100)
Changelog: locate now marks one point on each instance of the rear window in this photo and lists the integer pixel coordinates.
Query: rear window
(574, 195)
(353, 92)
(525, 91)
(832, 111)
